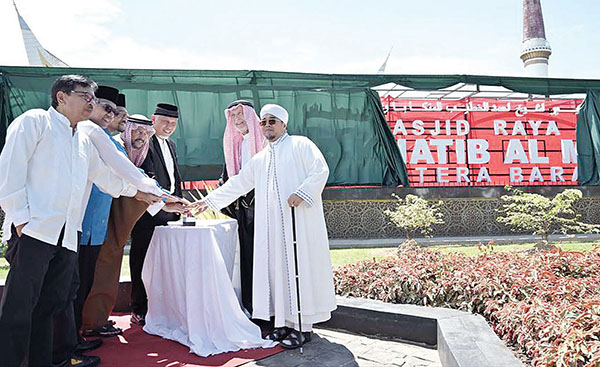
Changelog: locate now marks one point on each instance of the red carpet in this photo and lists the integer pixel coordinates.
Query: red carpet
(135, 348)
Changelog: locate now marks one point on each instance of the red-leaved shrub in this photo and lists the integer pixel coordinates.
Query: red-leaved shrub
(545, 302)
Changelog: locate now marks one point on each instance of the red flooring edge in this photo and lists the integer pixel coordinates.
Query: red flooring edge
(135, 348)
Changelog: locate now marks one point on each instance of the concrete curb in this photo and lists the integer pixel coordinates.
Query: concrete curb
(462, 339)
(448, 241)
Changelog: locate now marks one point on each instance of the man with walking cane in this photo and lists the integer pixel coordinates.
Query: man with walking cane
(289, 172)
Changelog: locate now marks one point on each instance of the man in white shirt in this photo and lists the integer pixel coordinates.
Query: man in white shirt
(48, 165)
(160, 164)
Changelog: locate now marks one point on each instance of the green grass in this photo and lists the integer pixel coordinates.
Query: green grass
(340, 257)
(350, 256)
(474, 250)
(3, 268)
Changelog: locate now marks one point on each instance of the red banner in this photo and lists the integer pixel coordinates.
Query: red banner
(485, 142)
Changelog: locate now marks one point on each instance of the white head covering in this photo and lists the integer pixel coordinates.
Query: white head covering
(275, 110)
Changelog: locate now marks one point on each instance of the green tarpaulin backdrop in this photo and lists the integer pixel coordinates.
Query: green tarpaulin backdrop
(588, 140)
(340, 113)
(344, 118)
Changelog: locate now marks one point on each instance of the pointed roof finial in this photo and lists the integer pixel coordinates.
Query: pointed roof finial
(382, 67)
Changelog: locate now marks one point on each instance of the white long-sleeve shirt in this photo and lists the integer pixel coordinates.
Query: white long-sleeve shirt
(116, 160)
(45, 172)
(120, 164)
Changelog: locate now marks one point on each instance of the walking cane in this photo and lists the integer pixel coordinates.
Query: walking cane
(297, 275)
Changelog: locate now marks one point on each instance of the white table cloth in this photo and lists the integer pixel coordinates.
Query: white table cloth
(188, 275)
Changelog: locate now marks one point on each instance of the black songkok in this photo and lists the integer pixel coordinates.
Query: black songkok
(240, 101)
(120, 100)
(108, 93)
(166, 109)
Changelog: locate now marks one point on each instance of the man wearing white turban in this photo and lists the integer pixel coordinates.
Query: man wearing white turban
(290, 172)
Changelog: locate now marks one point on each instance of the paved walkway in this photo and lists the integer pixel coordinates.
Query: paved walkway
(341, 349)
(434, 241)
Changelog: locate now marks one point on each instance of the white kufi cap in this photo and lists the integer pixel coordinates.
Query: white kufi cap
(275, 110)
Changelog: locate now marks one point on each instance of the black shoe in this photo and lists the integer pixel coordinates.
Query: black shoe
(105, 331)
(279, 333)
(85, 345)
(138, 319)
(78, 360)
(292, 341)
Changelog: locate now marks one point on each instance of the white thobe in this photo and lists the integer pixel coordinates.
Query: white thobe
(245, 149)
(292, 164)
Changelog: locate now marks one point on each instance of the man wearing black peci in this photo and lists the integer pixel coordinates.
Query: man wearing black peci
(160, 164)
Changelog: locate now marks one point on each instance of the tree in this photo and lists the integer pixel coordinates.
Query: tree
(541, 215)
(415, 214)
(3, 244)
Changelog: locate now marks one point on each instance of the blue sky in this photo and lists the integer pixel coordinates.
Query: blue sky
(429, 37)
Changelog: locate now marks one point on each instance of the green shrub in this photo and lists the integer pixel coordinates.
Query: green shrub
(543, 216)
(415, 215)
(3, 245)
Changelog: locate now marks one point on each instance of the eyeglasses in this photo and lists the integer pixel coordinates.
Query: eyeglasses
(109, 109)
(270, 122)
(87, 97)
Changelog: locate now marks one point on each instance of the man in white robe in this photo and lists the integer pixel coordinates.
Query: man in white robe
(290, 171)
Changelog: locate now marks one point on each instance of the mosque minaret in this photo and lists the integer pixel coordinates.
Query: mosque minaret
(535, 49)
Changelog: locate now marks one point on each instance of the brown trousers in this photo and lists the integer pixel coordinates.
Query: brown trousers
(124, 213)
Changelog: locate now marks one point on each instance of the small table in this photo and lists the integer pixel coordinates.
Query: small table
(188, 274)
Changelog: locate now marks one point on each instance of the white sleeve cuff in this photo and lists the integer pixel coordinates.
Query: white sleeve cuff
(211, 205)
(16, 204)
(305, 196)
(129, 191)
(155, 208)
(20, 217)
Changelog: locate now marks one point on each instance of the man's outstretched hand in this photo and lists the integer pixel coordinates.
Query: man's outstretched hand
(168, 198)
(178, 208)
(147, 198)
(197, 207)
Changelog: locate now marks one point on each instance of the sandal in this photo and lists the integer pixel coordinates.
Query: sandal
(279, 333)
(294, 340)
(105, 331)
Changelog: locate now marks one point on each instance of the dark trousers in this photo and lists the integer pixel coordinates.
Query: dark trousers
(37, 287)
(88, 255)
(66, 333)
(140, 241)
(245, 218)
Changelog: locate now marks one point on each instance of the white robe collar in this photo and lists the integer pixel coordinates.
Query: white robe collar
(272, 145)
